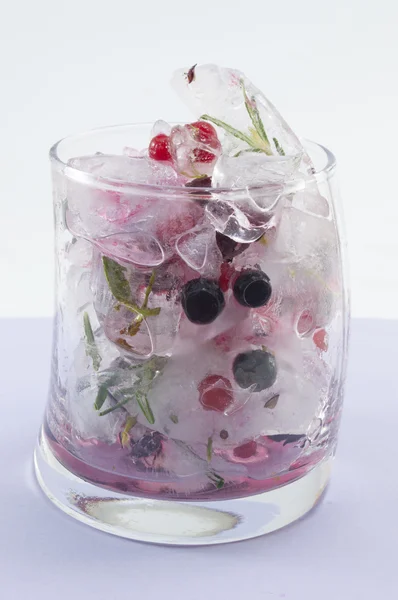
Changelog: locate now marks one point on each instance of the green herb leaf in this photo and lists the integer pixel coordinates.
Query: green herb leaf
(124, 436)
(120, 287)
(216, 479)
(272, 402)
(209, 449)
(101, 397)
(144, 405)
(174, 419)
(229, 129)
(254, 115)
(91, 348)
(278, 147)
(116, 279)
(115, 406)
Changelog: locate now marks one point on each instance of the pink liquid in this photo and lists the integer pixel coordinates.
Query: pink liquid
(110, 466)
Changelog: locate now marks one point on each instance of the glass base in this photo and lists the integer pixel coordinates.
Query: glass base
(177, 523)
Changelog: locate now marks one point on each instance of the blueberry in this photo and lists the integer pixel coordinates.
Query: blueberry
(252, 288)
(256, 367)
(150, 443)
(202, 300)
(229, 248)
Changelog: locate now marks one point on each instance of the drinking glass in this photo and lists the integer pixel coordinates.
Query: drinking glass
(199, 349)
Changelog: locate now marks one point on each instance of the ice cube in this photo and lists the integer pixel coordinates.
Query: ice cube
(192, 157)
(135, 334)
(229, 96)
(160, 126)
(97, 212)
(199, 250)
(136, 247)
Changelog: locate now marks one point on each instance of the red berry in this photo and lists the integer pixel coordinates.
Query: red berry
(320, 338)
(159, 147)
(227, 272)
(204, 132)
(202, 156)
(215, 393)
(246, 450)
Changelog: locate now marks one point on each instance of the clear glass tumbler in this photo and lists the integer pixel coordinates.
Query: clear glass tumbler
(197, 380)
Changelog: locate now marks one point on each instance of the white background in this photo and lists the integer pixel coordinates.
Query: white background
(330, 67)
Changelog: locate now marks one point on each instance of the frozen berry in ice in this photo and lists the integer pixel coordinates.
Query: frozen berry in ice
(255, 368)
(227, 271)
(252, 288)
(199, 182)
(159, 147)
(320, 338)
(202, 300)
(149, 444)
(205, 133)
(246, 450)
(224, 435)
(229, 248)
(215, 393)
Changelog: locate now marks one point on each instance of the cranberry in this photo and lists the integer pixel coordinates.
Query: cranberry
(215, 393)
(159, 147)
(246, 450)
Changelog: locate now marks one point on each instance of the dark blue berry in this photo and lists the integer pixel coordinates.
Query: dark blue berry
(150, 443)
(229, 248)
(252, 289)
(255, 368)
(202, 300)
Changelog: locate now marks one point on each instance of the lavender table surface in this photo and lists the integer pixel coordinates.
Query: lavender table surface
(344, 550)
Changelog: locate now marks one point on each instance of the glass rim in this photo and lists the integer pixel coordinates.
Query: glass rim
(108, 183)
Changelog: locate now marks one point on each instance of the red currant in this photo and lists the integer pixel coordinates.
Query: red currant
(320, 338)
(215, 393)
(202, 156)
(246, 450)
(204, 132)
(159, 147)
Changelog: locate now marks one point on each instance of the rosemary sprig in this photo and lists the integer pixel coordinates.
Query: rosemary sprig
(115, 406)
(134, 328)
(174, 419)
(254, 115)
(91, 347)
(235, 132)
(120, 288)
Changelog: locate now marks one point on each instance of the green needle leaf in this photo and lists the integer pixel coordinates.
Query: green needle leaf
(209, 449)
(216, 479)
(174, 419)
(254, 115)
(91, 348)
(116, 279)
(101, 397)
(144, 405)
(115, 406)
(278, 147)
(229, 129)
